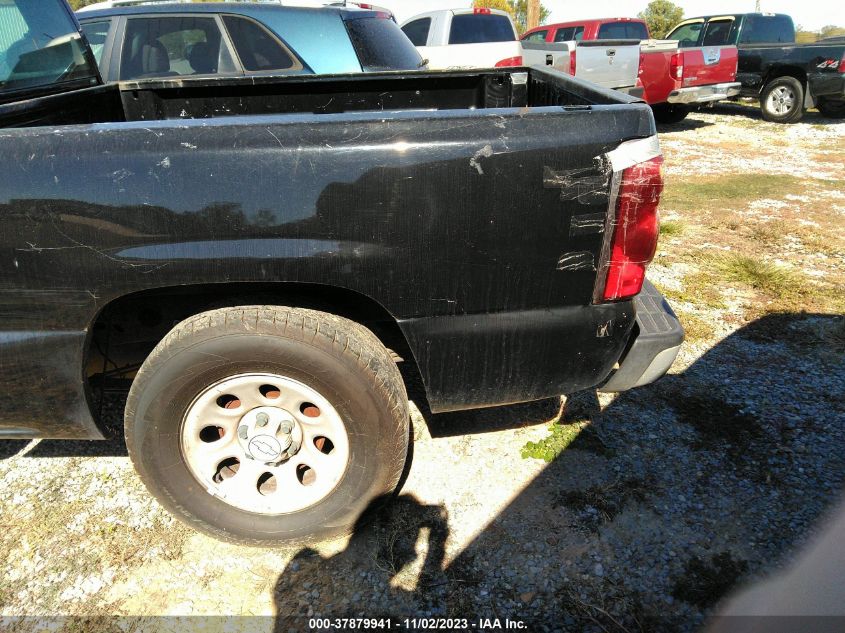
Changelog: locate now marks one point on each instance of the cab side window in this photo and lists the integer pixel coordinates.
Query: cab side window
(537, 36)
(171, 46)
(717, 33)
(569, 34)
(417, 31)
(257, 48)
(687, 34)
(96, 34)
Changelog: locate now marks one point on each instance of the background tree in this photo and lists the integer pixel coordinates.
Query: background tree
(502, 5)
(831, 31)
(803, 36)
(518, 10)
(661, 15)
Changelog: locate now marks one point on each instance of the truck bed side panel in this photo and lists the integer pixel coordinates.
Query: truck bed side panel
(447, 219)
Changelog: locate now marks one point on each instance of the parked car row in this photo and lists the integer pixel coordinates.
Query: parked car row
(671, 80)
(702, 60)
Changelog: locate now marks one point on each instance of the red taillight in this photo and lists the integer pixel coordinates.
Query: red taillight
(481, 10)
(573, 62)
(676, 66)
(634, 240)
(510, 61)
(642, 63)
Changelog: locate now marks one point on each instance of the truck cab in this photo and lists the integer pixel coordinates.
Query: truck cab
(465, 38)
(43, 51)
(587, 30)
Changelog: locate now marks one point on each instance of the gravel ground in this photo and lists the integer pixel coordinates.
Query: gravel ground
(657, 503)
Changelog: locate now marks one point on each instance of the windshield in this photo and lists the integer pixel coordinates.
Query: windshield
(40, 45)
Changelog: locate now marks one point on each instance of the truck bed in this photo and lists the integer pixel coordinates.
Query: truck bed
(469, 206)
(159, 99)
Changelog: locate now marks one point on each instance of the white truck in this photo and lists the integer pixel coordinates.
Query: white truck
(612, 64)
(457, 39)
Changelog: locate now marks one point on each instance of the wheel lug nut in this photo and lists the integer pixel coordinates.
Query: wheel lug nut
(286, 426)
(243, 432)
(262, 419)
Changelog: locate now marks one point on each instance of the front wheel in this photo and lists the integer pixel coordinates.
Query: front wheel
(782, 100)
(666, 113)
(268, 425)
(833, 109)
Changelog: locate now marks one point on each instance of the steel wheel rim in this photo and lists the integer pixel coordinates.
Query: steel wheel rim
(781, 100)
(265, 469)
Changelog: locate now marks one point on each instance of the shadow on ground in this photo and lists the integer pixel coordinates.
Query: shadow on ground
(752, 111)
(670, 497)
(683, 126)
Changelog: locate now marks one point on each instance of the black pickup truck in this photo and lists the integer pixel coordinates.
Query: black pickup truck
(255, 258)
(786, 77)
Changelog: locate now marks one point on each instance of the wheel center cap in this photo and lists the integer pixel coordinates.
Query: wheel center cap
(266, 448)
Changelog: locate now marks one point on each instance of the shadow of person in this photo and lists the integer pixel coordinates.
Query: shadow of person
(394, 557)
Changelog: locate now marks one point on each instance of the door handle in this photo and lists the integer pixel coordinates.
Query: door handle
(610, 52)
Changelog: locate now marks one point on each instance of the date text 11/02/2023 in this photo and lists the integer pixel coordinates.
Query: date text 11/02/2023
(415, 624)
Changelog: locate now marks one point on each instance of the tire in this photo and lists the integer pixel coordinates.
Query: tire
(356, 387)
(782, 100)
(669, 113)
(832, 109)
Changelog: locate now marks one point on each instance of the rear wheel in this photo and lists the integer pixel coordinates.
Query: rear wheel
(833, 109)
(268, 425)
(666, 113)
(782, 100)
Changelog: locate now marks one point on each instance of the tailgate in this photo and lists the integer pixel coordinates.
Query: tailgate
(709, 65)
(548, 55)
(655, 69)
(608, 63)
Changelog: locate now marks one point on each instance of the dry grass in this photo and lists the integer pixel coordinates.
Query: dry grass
(733, 191)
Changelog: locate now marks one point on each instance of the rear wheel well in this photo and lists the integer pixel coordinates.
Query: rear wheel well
(128, 328)
(784, 71)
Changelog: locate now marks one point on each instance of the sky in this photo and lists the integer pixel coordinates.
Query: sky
(810, 14)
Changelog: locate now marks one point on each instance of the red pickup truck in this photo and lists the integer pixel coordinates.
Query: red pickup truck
(673, 80)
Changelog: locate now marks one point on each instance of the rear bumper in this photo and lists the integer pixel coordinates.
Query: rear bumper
(657, 339)
(705, 94)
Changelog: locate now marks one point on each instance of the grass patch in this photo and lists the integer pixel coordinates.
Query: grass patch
(758, 274)
(705, 583)
(559, 439)
(696, 328)
(820, 242)
(731, 191)
(769, 232)
(672, 228)
(701, 289)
